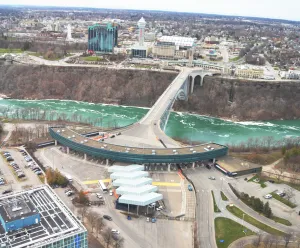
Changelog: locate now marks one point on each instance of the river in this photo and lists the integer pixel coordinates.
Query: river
(181, 125)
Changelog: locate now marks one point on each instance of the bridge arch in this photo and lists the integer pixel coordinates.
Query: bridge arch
(197, 80)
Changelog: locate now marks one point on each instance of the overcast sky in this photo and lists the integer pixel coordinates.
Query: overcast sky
(288, 9)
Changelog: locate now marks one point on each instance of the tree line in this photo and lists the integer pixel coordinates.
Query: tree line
(38, 114)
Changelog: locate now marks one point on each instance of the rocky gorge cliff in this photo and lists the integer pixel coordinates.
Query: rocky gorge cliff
(98, 85)
(219, 97)
(245, 99)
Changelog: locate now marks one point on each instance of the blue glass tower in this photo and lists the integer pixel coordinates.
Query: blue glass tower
(102, 37)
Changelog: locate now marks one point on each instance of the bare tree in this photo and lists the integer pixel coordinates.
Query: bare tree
(287, 239)
(257, 240)
(99, 225)
(119, 242)
(289, 194)
(83, 212)
(92, 217)
(107, 236)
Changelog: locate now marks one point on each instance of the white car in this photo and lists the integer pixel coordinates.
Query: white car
(115, 231)
(212, 178)
(268, 196)
(99, 195)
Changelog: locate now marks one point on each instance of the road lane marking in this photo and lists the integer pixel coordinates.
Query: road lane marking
(153, 183)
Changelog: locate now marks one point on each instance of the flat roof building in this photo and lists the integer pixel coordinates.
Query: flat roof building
(37, 218)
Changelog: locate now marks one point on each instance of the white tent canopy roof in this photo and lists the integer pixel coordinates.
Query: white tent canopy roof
(128, 168)
(126, 190)
(133, 183)
(129, 175)
(140, 200)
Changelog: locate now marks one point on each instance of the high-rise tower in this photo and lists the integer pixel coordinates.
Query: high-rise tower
(141, 25)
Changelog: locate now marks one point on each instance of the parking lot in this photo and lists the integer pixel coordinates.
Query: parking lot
(12, 182)
(278, 208)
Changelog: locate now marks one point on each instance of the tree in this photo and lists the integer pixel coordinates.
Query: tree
(287, 239)
(107, 237)
(267, 211)
(92, 218)
(82, 198)
(119, 242)
(99, 225)
(289, 194)
(83, 212)
(256, 241)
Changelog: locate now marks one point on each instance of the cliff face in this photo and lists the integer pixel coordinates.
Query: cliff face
(220, 97)
(99, 85)
(244, 99)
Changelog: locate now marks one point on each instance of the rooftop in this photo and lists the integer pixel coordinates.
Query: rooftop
(16, 209)
(134, 183)
(140, 200)
(128, 168)
(76, 137)
(57, 221)
(129, 175)
(179, 41)
(127, 190)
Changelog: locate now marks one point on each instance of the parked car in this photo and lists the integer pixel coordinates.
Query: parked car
(99, 195)
(280, 193)
(6, 191)
(115, 231)
(212, 178)
(8, 159)
(190, 188)
(107, 217)
(268, 196)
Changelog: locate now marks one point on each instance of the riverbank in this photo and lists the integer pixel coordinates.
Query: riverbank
(189, 127)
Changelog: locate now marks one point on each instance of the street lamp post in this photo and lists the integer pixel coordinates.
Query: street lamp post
(243, 223)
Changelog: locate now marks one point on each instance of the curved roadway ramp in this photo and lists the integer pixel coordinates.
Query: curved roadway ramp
(147, 132)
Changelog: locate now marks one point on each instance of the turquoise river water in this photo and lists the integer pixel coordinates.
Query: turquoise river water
(182, 125)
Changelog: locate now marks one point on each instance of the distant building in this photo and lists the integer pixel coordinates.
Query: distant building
(103, 37)
(211, 40)
(249, 72)
(291, 74)
(140, 50)
(37, 218)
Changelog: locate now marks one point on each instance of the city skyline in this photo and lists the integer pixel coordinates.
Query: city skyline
(255, 8)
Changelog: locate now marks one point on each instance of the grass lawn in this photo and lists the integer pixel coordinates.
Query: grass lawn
(216, 209)
(283, 200)
(6, 50)
(92, 58)
(261, 181)
(234, 59)
(229, 231)
(259, 158)
(239, 213)
(224, 197)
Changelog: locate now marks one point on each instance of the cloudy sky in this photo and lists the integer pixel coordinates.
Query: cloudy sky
(288, 9)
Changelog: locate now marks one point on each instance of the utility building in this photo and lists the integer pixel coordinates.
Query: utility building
(103, 37)
(18, 213)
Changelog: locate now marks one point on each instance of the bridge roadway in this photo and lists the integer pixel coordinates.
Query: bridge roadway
(147, 132)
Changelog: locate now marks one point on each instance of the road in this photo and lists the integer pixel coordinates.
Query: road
(204, 210)
(225, 55)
